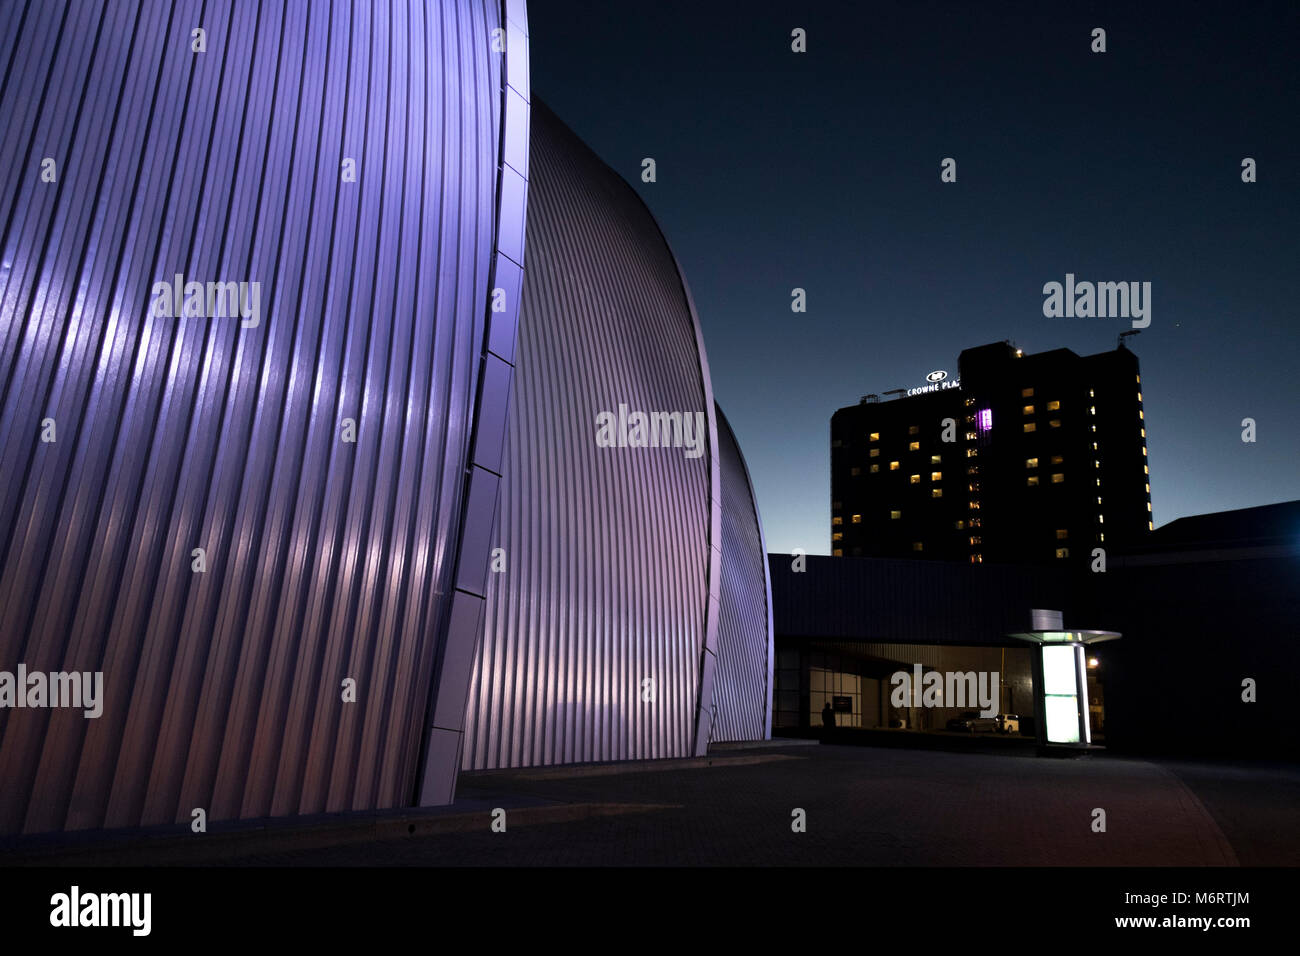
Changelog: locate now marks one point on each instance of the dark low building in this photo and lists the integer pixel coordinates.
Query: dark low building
(1206, 664)
(1208, 603)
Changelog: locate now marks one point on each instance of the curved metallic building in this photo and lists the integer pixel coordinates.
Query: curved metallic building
(277, 388)
(742, 690)
(260, 505)
(614, 625)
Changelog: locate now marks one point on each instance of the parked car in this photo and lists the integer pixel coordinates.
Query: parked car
(973, 723)
(1008, 723)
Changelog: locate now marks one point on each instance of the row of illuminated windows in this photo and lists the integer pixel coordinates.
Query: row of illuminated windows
(1057, 478)
(1051, 407)
(915, 446)
(1055, 460)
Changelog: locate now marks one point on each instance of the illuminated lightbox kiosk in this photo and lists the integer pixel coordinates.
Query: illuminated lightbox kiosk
(1061, 679)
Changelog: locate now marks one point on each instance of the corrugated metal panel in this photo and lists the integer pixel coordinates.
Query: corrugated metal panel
(608, 551)
(742, 697)
(325, 559)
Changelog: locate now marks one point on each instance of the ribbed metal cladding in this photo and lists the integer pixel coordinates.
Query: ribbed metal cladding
(608, 551)
(742, 687)
(325, 559)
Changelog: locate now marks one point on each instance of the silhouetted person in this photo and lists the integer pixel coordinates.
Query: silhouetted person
(828, 720)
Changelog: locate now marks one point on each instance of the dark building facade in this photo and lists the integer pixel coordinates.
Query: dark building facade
(1024, 459)
(1206, 608)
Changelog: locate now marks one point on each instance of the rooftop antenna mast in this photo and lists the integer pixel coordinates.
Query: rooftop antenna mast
(1123, 335)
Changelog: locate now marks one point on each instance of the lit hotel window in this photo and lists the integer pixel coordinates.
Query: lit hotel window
(936, 492)
(972, 469)
(1031, 462)
(895, 515)
(874, 453)
(1062, 552)
(837, 520)
(837, 553)
(1057, 459)
(1027, 410)
(935, 459)
(1151, 526)
(1143, 431)
(973, 523)
(1062, 534)
(856, 519)
(1139, 396)
(875, 436)
(1140, 415)
(977, 559)
(1139, 378)
(1098, 482)
(1099, 499)
(970, 401)
(970, 436)
(936, 476)
(973, 486)
(1031, 480)
(976, 539)
(1055, 423)
(837, 536)
(915, 479)
(918, 546)
(1094, 427)
(1148, 506)
(1146, 469)
(1101, 537)
(1057, 478)
(1144, 451)
(1053, 406)
(855, 471)
(1026, 393)
(1148, 489)
(970, 419)
(973, 506)
(1092, 409)
(875, 468)
(1096, 463)
(893, 466)
(1091, 393)
(914, 446)
(961, 525)
(1101, 519)
(1094, 446)
(972, 452)
(1030, 427)
(914, 429)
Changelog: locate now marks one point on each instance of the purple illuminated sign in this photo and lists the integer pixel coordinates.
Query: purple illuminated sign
(985, 420)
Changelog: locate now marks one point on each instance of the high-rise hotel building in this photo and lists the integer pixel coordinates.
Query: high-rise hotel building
(1023, 459)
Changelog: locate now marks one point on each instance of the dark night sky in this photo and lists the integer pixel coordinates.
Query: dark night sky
(821, 170)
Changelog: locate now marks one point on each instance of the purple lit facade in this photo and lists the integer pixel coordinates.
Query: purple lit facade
(273, 537)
